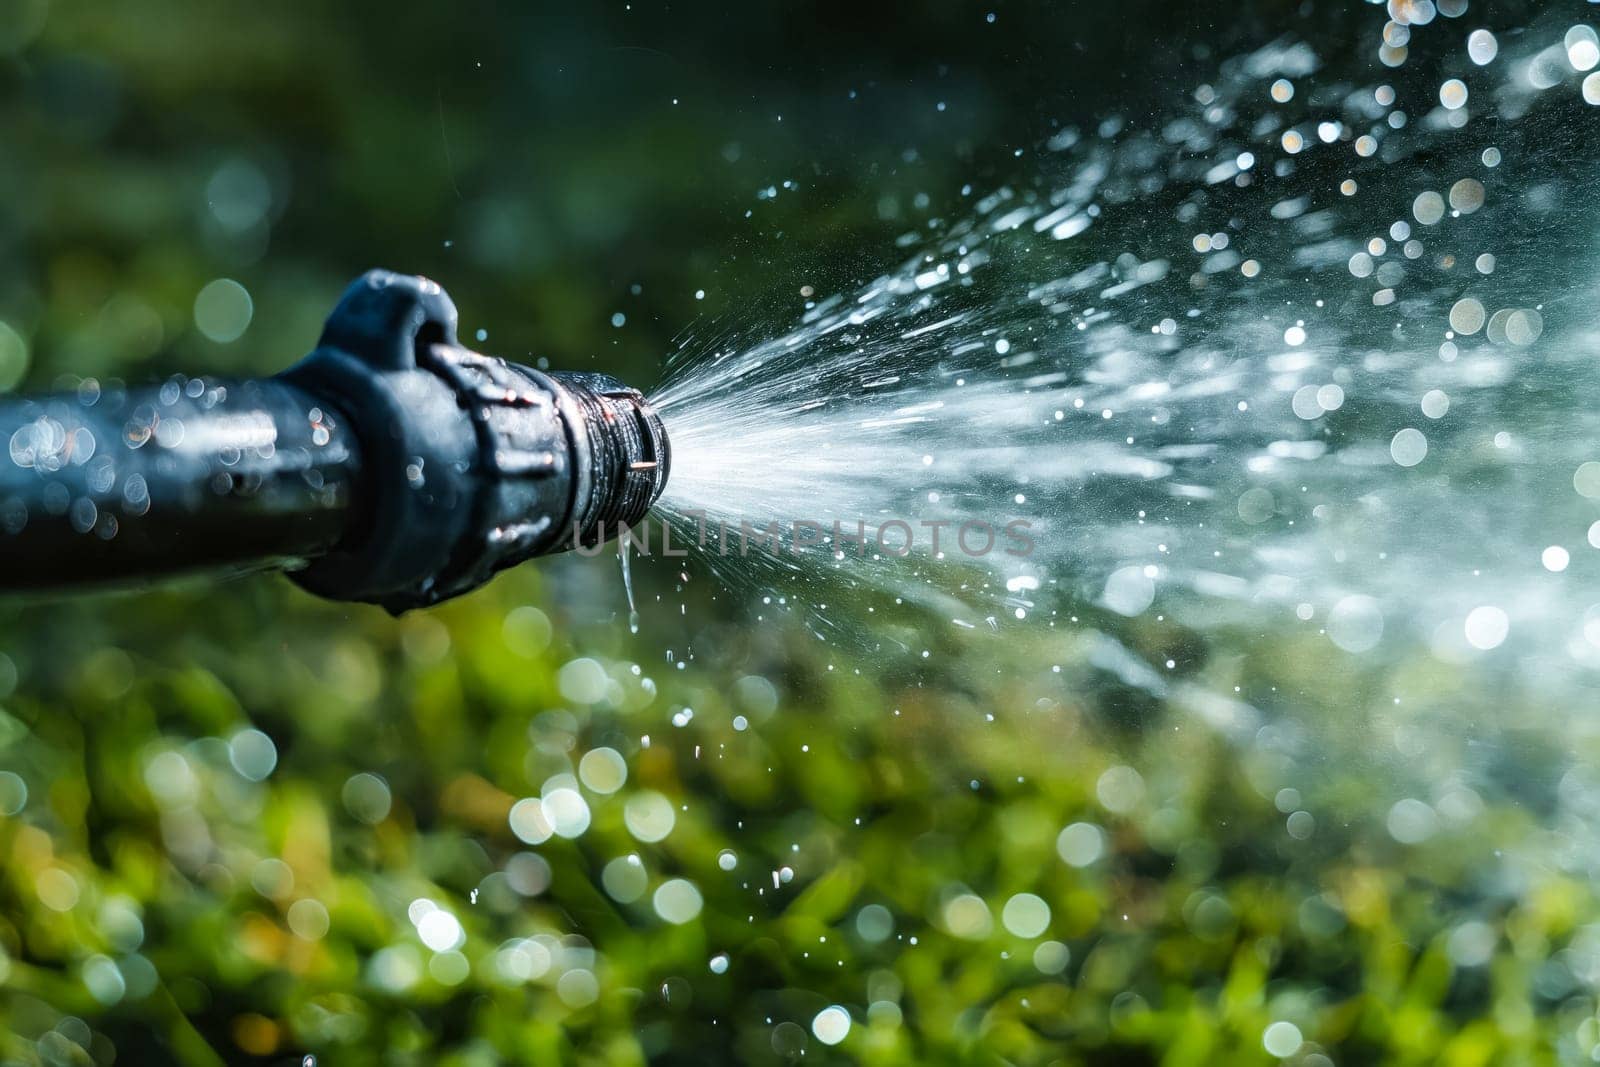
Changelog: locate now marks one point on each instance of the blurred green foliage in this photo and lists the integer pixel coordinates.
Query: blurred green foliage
(223, 802)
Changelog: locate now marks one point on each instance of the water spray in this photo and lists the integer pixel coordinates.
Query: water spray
(1302, 354)
(391, 465)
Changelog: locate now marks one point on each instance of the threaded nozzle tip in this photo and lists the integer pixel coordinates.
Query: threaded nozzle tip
(628, 458)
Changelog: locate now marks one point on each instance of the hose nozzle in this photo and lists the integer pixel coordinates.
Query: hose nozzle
(472, 464)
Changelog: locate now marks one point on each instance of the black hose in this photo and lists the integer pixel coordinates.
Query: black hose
(194, 474)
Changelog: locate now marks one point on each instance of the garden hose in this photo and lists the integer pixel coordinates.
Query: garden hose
(390, 466)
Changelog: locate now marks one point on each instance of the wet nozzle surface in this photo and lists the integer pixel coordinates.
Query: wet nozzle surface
(473, 464)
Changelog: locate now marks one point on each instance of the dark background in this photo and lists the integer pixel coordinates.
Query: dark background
(540, 163)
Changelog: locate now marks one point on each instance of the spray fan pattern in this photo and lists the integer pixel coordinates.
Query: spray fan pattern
(1312, 348)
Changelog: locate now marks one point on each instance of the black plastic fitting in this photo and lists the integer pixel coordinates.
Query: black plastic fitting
(473, 463)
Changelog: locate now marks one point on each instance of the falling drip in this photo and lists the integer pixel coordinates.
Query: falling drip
(627, 584)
